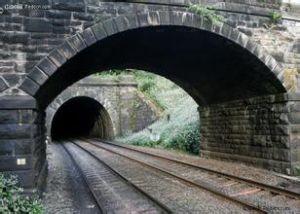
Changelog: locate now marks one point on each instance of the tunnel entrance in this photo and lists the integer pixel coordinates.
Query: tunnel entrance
(221, 68)
(81, 117)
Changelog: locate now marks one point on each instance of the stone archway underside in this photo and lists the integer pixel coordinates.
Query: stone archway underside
(206, 59)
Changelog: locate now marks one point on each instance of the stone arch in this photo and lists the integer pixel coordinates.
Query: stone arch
(81, 116)
(61, 100)
(43, 81)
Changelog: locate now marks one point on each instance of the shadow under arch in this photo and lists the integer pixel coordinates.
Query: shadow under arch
(81, 117)
(213, 63)
(60, 100)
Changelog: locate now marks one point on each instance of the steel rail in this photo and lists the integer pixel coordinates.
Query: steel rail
(187, 181)
(155, 201)
(263, 186)
(99, 204)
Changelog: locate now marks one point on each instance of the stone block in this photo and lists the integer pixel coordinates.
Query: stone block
(57, 58)
(176, 18)
(55, 14)
(26, 178)
(17, 102)
(9, 116)
(15, 131)
(294, 117)
(83, 16)
(77, 42)
(38, 76)
(68, 6)
(29, 86)
(12, 162)
(3, 85)
(88, 36)
(47, 66)
(99, 32)
(121, 23)
(67, 50)
(110, 27)
(37, 25)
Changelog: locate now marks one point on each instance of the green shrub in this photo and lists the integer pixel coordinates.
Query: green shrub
(275, 17)
(181, 132)
(12, 200)
(207, 13)
(186, 139)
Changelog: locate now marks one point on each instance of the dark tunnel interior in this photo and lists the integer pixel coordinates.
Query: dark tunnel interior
(81, 117)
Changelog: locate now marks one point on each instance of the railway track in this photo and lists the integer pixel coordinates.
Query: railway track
(112, 192)
(252, 194)
(276, 190)
(247, 206)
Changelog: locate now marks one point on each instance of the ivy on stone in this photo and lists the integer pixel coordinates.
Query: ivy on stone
(207, 12)
(12, 200)
(275, 17)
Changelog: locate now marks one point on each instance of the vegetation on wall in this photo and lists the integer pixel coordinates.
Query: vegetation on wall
(146, 82)
(12, 200)
(275, 20)
(275, 17)
(178, 127)
(207, 12)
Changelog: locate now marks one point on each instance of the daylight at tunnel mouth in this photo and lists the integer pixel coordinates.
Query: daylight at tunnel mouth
(81, 117)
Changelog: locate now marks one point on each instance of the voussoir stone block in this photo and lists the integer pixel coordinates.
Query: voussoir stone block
(88, 36)
(110, 27)
(176, 18)
(47, 66)
(3, 85)
(164, 17)
(122, 23)
(38, 76)
(99, 32)
(57, 58)
(77, 42)
(29, 86)
(67, 50)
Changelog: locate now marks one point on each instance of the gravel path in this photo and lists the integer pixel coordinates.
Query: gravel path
(65, 192)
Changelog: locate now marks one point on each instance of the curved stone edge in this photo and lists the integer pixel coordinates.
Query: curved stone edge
(73, 45)
(61, 100)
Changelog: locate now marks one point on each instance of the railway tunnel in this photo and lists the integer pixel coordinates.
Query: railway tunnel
(239, 87)
(230, 77)
(81, 117)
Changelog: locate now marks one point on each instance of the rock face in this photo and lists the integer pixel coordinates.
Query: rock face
(243, 73)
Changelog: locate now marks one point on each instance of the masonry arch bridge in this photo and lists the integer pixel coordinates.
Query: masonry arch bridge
(245, 102)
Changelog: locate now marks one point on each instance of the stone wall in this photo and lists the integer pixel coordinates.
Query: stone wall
(22, 140)
(27, 36)
(128, 109)
(259, 131)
